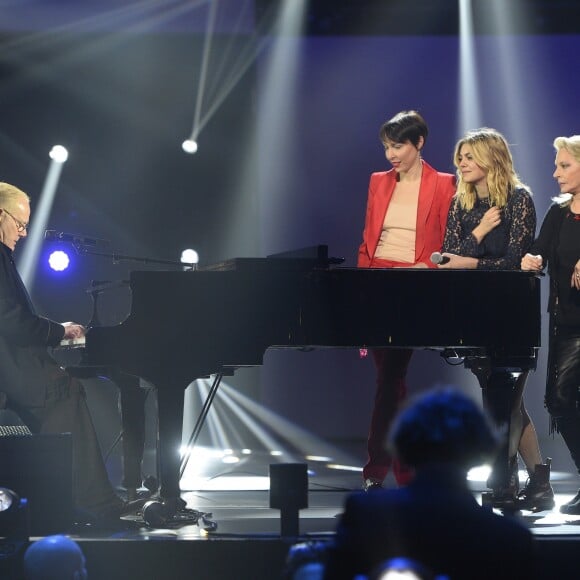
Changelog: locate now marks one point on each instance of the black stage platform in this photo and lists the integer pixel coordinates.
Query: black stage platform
(248, 545)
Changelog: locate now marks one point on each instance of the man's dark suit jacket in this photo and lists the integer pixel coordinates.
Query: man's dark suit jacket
(436, 521)
(26, 368)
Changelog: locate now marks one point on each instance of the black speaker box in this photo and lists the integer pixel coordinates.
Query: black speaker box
(39, 468)
(289, 485)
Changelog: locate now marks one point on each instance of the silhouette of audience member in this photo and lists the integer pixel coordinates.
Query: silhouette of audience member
(54, 558)
(305, 561)
(435, 519)
(403, 569)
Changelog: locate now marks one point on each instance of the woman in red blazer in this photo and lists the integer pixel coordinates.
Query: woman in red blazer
(405, 223)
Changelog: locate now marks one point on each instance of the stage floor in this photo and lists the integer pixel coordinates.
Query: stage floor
(246, 513)
(248, 542)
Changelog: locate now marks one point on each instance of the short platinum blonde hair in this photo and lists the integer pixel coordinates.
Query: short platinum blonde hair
(572, 145)
(10, 195)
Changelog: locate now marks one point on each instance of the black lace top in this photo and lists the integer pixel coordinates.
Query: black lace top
(504, 246)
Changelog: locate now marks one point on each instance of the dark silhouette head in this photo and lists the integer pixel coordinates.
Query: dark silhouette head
(54, 558)
(443, 426)
(305, 561)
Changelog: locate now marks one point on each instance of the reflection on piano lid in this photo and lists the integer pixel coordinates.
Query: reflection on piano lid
(67, 343)
(307, 258)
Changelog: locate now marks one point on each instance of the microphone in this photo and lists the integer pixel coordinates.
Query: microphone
(438, 258)
(76, 239)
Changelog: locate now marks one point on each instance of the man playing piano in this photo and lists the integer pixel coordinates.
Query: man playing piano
(46, 397)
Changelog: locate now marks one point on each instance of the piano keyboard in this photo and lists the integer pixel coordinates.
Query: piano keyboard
(72, 343)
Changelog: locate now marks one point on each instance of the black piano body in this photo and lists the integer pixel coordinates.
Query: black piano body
(185, 325)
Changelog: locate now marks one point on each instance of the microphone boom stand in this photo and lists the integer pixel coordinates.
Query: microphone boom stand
(83, 249)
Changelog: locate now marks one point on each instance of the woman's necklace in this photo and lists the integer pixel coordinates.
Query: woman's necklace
(573, 214)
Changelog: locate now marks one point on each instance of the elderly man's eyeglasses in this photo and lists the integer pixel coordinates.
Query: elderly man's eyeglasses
(20, 226)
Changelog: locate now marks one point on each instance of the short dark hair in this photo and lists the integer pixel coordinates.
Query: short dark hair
(404, 126)
(443, 425)
(303, 554)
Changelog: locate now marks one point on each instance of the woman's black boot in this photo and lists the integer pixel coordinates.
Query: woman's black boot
(504, 497)
(538, 494)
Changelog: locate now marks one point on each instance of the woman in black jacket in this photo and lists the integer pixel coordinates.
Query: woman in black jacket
(558, 247)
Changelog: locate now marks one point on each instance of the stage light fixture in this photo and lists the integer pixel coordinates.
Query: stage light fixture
(58, 154)
(13, 515)
(58, 261)
(14, 532)
(189, 258)
(189, 146)
(9, 500)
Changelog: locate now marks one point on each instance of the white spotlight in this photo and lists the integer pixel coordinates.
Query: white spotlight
(58, 154)
(189, 146)
(189, 256)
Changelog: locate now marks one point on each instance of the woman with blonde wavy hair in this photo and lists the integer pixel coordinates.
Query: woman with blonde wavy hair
(491, 225)
(492, 219)
(558, 247)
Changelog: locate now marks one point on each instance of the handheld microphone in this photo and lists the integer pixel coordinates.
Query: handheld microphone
(76, 239)
(438, 258)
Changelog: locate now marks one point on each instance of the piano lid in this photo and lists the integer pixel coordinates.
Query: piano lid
(308, 258)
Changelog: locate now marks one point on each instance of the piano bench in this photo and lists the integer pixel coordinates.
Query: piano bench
(10, 422)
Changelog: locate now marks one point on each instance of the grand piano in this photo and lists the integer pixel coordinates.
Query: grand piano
(186, 325)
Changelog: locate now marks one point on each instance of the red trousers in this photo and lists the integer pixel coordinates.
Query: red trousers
(391, 365)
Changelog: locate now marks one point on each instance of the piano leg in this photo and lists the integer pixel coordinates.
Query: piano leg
(133, 421)
(501, 393)
(170, 409)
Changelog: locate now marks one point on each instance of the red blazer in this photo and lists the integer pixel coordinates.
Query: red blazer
(435, 195)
